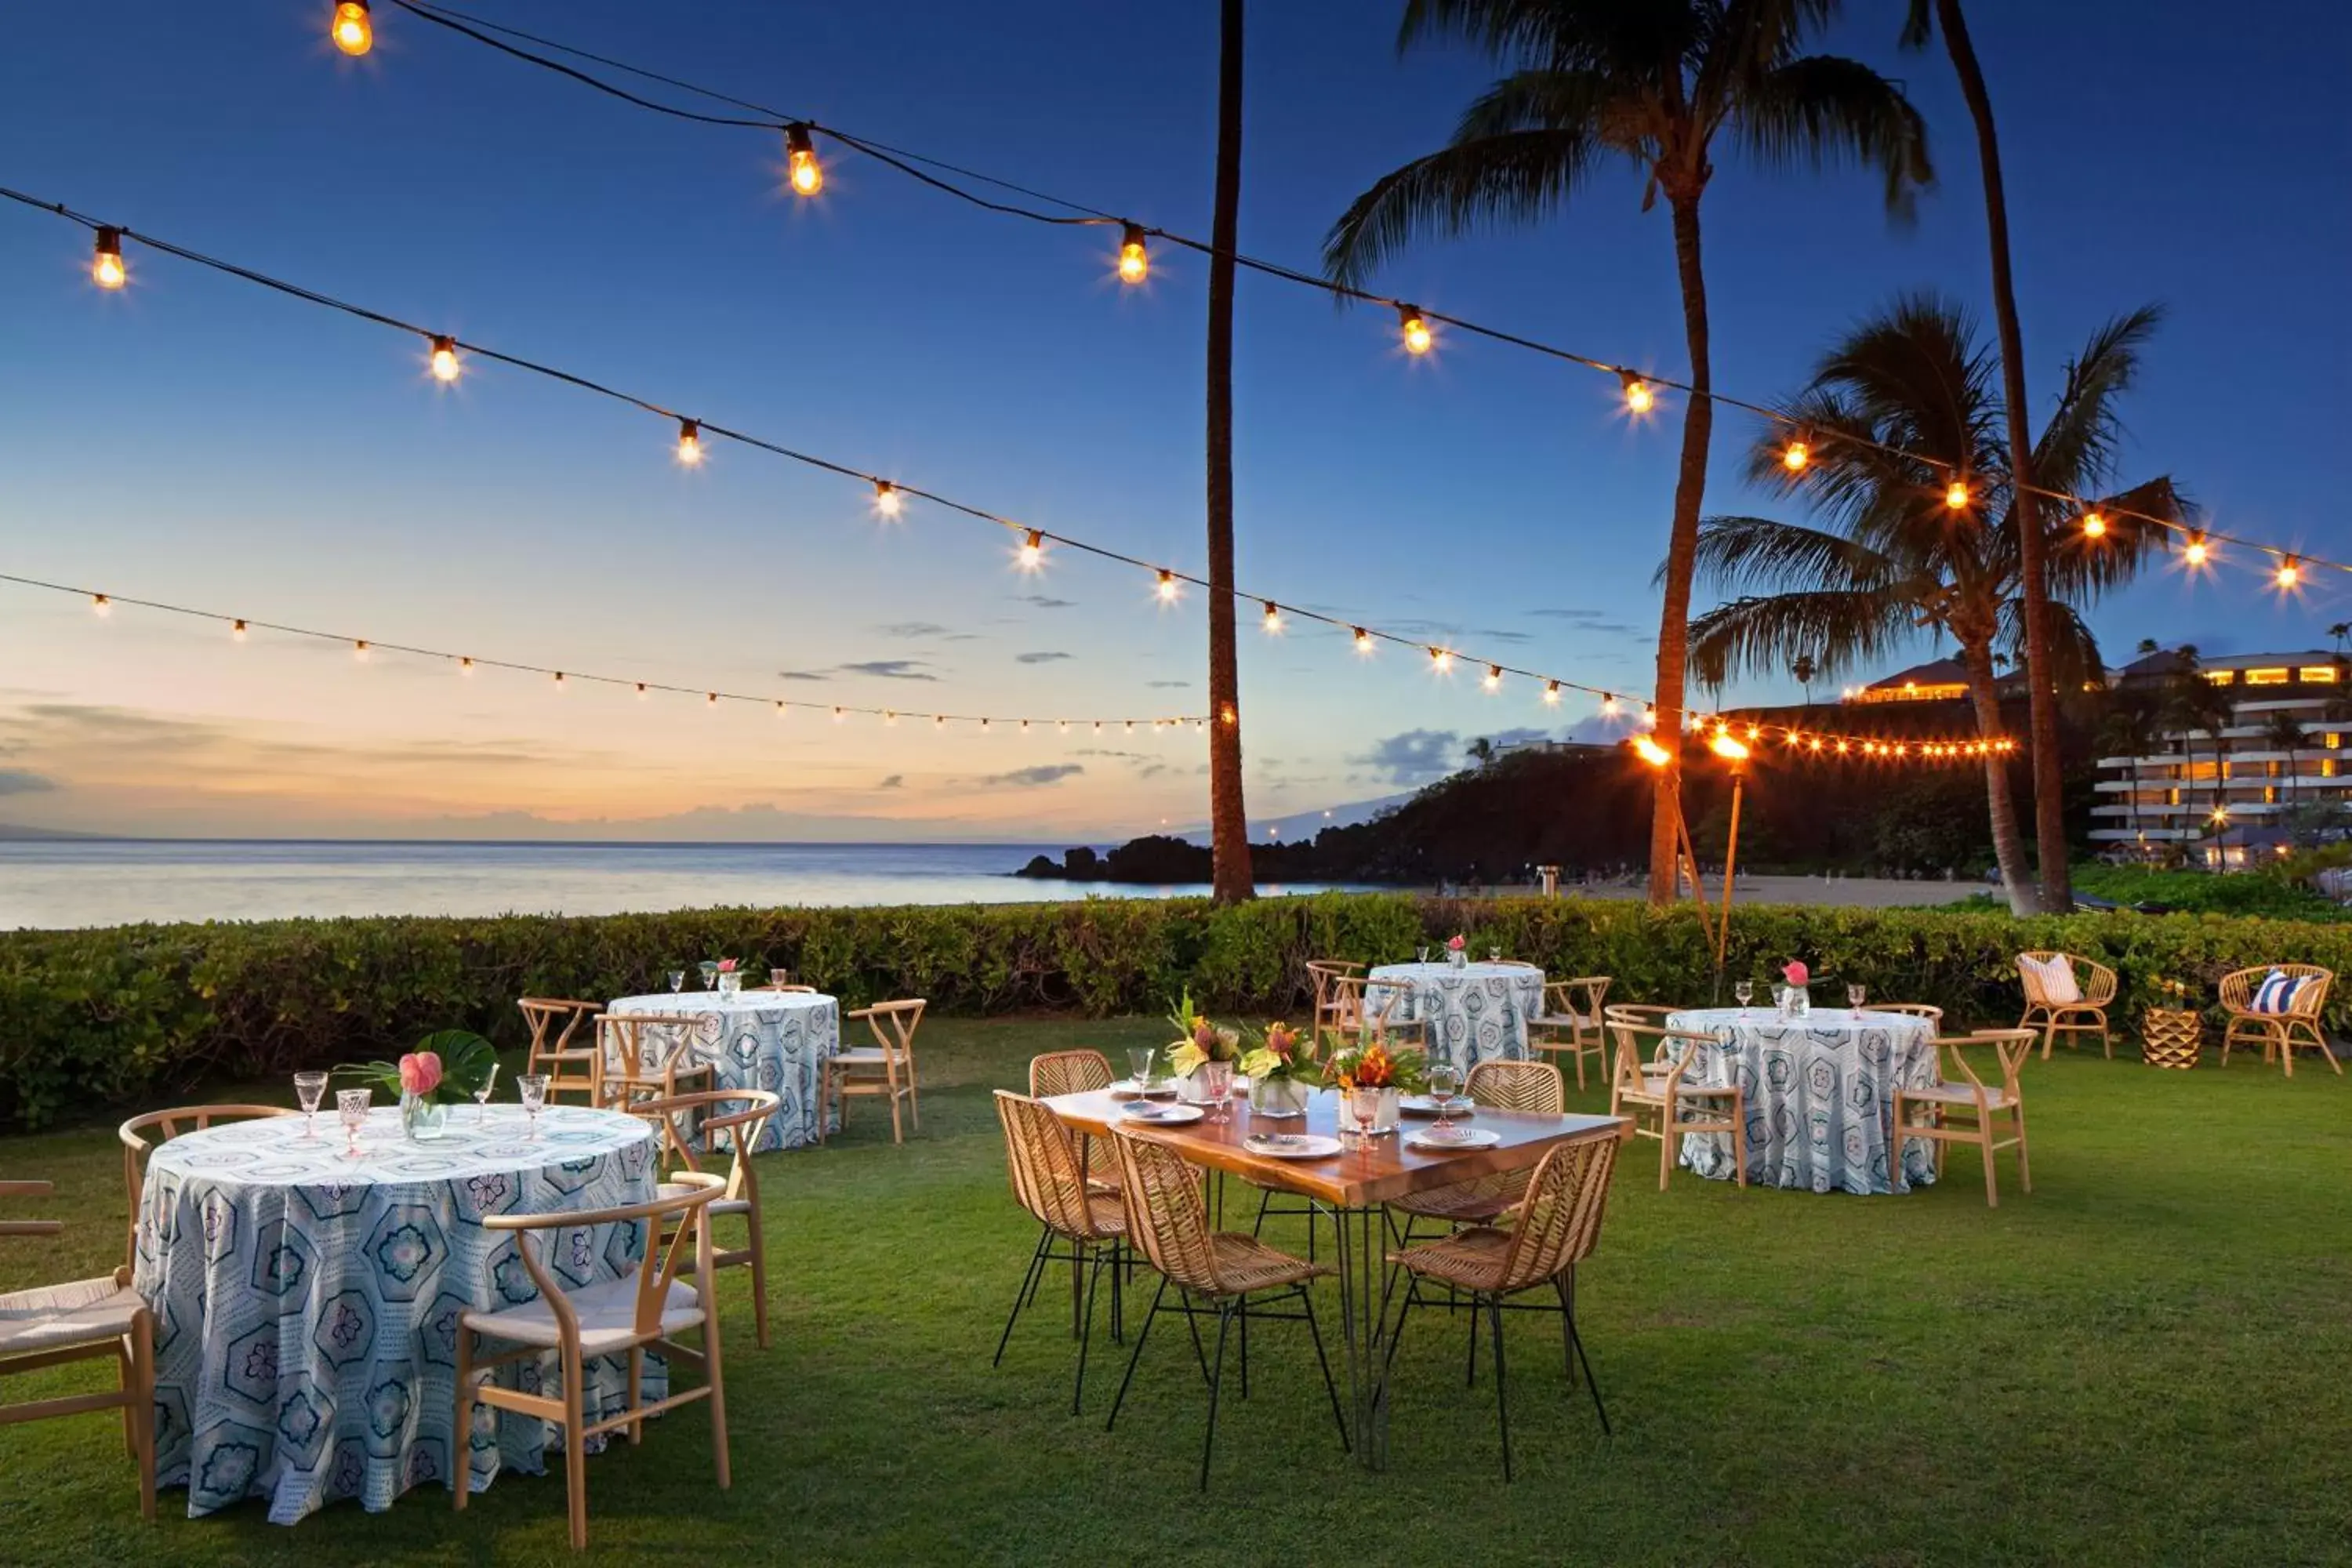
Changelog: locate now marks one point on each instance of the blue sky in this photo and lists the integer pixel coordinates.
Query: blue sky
(195, 440)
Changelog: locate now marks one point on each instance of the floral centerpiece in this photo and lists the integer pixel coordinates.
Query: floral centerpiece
(1385, 1073)
(445, 1067)
(1282, 1071)
(1457, 951)
(730, 977)
(1202, 1053)
(1796, 1001)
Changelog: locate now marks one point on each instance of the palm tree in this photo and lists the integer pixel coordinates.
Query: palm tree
(1480, 751)
(2285, 733)
(2040, 685)
(2338, 632)
(1651, 84)
(2130, 729)
(1229, 855)
(2194, 706)
(1904, 398)
(1801, 667)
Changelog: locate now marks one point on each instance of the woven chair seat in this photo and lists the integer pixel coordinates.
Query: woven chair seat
(1958, 1094)
(1564, 1021)
(1484, 1198)
(50, 1317)
(1472, 1259)
(1246, 1264)
(607, 1314)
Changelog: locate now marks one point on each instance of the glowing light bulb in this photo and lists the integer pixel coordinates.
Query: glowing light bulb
(1652, 753)
(1440, 660)
(710, 699)
(889, 719)
(2194, 551)
(559, 680)
(689, 442)
(1608, 705)
(444, 361)
(1956, 496)
(1033, 551)
(939, 720)
(1134, 266)
(105, 268)
(2094, 526)
(886, 499)
(800, 158)
(1494, 680)
(1273, 621)
(1730, 750)
(1841, 747)
(1363, 641)
(465, 666)
(1416, 330)
(1815, 743)
(2288, 573)
(236, 630)
(1755, 731)
(1639, 397)
(360, 649)
(780, 709)
(101, 604)
(1796, 455)
(838, 715)
(641, 691)
(1551, 693)
(1168, 586)
(352, 30)
(1025, 726)
(1063, 725)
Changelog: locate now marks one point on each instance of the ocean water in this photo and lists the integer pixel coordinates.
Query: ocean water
(62, 883)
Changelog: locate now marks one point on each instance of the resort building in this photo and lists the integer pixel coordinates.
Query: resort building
(2242, 777)
(1941, 680)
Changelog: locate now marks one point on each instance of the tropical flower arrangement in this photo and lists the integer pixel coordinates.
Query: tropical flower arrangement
(1197, 1041)
(1795, 973)
(449, 1065)
(1404, 1068)
(1282, 1052)
(1456, 943)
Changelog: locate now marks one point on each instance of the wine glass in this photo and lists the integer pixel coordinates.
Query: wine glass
(482, 1095)
(1494, 955)
(1364, 1104)
(1217, 1082)
(678, 980)
(1743, 993)
(532, 1086)
(1854, 996)
(709, 967)
(1445, 1080)
(1424, 950)
(351, 1105)
(1139, 1061)
(309, 1088)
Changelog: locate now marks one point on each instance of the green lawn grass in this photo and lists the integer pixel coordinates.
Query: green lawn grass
(2143, 1361)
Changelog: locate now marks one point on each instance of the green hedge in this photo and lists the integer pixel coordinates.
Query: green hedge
(93, 1019)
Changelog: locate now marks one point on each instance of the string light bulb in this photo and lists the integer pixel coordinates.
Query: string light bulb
(1639, 397)
(444, 363)
(1956, 496)
(1730, 750)
(1551, 694)
(2195, 552)
(360, 648)
(1033, 551)
(1134, 265)
(710, 699)
(689, 442)
(1272, 620)
(780, 709)
(1415, 330)
(800, 159)
(1363, 641)
(838, 715)
(105, 268)
(1440, 660)
(1608, 705)
(465, 664)
(1494, 680)
(101, 604)
(2289, 574)
(352, 28)
(642, 693)
(236, 630)
(1796, 455)
(1168, 586)
(559, 680)
(2094, 525)
(939, 720)
(886, 499)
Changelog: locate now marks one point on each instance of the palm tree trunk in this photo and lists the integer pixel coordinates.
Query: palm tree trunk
(1228, 818)
(2041, 700)
(1682, 547)
(2007, 844)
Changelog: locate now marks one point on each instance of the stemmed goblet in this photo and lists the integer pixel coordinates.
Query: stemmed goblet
(1854, 996)
(351, 1105)
(532, 1086)
(309, 1088)
(1445, 1081)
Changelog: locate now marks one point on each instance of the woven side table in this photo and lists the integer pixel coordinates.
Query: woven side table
(2170, 1037)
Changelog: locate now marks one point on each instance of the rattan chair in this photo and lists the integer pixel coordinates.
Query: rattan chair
(1336, 1012)
(2279, 1033)
(885, 1069)
(728, 1119)
(168, 1125)
(1232, 1277)
(88, 1320)
(1656, 1086)
(1536, 1088)
(1077, 1072)
(645, 1056)
(1966, 1092)
(629, 1315)
(2094, 987)
(570, 1068)
(1559, 1225)
(1050, 1182)
(1571, 1021)
(1350, 996)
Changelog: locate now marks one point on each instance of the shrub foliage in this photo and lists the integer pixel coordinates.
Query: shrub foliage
(92, 1019)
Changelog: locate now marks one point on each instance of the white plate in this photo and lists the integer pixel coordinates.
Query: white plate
(1291, 1145)
(1154, 1114)
(1125, 1090)
(1422, 1105)
(1468, 1137)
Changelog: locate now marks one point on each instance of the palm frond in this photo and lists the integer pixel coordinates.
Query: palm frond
(2075, 657)
(1821, 109)
(2078, 448)
(1744, 554)
(1839, 630)
(1627, 36)
(1517, 177)
(2081, 569)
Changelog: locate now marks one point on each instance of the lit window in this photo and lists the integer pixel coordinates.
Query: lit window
(2270, 795)
(2221, 677)
(2333, 739)
(2267, 676)
(2319, 674)
(2327, 767)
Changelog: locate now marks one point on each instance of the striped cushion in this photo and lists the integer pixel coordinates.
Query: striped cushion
(2277, 992)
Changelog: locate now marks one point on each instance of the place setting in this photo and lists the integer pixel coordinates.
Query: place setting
(1442, 1102)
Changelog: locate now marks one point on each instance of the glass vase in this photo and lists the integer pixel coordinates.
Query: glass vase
(422, 1120)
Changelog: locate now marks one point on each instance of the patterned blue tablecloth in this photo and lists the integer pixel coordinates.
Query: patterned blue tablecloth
(306, 1303)
(776, 1040)
(1821, 1096)
(1477, 1013)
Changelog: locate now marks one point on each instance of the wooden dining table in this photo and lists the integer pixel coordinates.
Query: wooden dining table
(1352, 1186)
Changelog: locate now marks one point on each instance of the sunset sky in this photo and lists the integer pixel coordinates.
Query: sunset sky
(197, 440)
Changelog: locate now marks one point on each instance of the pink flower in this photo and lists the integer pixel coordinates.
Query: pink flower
(1456, 945)
(1795, 973)
(420, 1072)
(726, 967)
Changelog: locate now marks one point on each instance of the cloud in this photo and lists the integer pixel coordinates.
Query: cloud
(19, 781)
(1592, 621)
(1414, 757)
(1168, 683)
(1046, 601)
(912, 629)
(895, 781)
(802, 675)
(888, 668)
(1040, 658)
(1045, 773)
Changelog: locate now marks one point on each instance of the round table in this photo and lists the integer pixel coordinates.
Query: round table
(306, 1303)
(1475, 1013)
(1821, 1095)
(775, 1040)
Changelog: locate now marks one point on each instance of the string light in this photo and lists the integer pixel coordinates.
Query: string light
(1169, 587)
(1440, 660)
(1551, 696)
(1956, 496)
(1639, 398)
(360, 648)
(2288, 574)
(444, 363)
(100, 604)
(1796, 455)
(887, 499)
(1494, 680)
(1033, 551)
(105, 268)
(641, 691)
(1134, 265)
(838, 715)
(465, 665)
(689, 443)
(1415, 328)
(800, 158)
(559, 680)
(1364, 644)
(351, 30)
(236, 630)
(2196, 553)
(1273, 620)
(710, 699)
(2094, 525)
